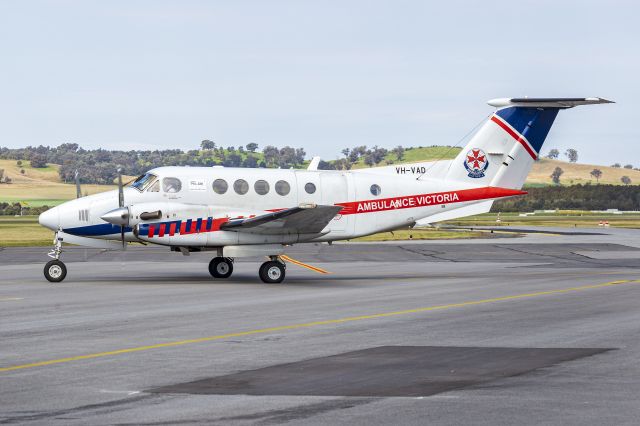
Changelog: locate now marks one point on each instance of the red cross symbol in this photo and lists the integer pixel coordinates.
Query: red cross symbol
(476, 159)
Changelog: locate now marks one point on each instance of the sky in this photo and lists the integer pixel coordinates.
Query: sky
(322, 75)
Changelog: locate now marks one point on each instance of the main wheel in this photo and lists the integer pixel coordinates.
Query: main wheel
(55, 271)
(221, 267)
(272, 272)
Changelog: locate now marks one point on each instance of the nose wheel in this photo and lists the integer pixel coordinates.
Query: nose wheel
(272, 272)
(55, 271)
(221, 267)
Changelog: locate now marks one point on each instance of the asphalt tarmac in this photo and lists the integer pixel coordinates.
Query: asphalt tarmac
(543, 329)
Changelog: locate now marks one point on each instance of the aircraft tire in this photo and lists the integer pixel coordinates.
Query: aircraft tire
(221, 267)
(272, 272)
(55, 271)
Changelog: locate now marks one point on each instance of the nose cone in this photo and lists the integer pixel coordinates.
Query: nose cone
(50, 219)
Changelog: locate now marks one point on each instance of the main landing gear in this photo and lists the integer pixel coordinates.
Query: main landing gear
(221, 267)
(270, 272)
(55, 271)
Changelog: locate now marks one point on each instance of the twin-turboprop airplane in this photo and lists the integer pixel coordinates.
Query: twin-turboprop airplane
(238, 212)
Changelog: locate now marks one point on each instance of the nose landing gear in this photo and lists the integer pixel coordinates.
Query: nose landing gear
(55, 271)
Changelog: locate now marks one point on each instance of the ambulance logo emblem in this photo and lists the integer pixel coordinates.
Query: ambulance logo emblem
(476, 163)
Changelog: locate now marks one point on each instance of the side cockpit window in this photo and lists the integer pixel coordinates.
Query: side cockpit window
(171, 185)
(144, 181)
(154, 187)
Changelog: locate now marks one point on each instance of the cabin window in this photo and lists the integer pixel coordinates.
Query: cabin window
(310, 188)
(171, 185)
(143, 182)
(241, 186)
(220, 186)
(375, 190)
(261, 187)
(155, 187)
(282, 187)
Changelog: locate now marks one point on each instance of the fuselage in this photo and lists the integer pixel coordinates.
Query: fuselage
(193, 201)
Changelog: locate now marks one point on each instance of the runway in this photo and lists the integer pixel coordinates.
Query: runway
(541, 329)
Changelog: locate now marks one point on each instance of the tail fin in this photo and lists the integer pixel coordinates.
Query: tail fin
(502, 152)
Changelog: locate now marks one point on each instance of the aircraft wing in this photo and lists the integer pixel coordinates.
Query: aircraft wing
(307, 219)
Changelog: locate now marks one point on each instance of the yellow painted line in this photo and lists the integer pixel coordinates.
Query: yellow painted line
(317, 323)
(9, 299)
(304, 265)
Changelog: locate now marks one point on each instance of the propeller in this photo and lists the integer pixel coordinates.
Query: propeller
(121, 206)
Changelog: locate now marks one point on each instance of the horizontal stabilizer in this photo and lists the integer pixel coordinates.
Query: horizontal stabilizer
(546, 102)
(310, 219)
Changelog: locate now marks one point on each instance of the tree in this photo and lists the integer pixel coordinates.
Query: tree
(399, 152)
(378, 154)
(271, 155)
(555, 176)
(626, 180)
(38, 161)
(368, 159)
(252, 147)
(21, 171)
(342, 164)
(628, 166)
(345, 152)
(553, 154)
(19, 163)
(616, 165)
(1, 174)
(250, 161)
(207, 145)
(596, 173)
(572, 155)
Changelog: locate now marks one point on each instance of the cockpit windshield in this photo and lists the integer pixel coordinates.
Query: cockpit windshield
(144, 181)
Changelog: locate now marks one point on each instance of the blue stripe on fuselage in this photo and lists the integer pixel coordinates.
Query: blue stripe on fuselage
(96, 230)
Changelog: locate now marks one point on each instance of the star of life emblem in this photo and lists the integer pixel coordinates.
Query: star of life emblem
(476, 163)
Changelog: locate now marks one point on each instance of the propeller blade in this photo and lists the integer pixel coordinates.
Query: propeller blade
(77, 179)
(121, 204)
(120, 189)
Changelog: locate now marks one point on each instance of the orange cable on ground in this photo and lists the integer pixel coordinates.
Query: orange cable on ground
(304, 265)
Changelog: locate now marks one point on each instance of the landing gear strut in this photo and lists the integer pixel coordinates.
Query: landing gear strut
(273, 271)
(221, 267)
(55, 271)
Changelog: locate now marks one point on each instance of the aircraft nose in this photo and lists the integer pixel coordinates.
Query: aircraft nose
(50, 218)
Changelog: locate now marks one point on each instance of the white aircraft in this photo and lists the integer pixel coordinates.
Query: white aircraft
(239, 212)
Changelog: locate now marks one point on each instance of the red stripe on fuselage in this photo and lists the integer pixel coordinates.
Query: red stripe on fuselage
(514, 135)
(425, 200)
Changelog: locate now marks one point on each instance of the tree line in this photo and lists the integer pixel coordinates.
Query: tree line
(100, 166)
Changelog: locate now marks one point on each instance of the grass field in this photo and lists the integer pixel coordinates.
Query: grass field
(571, 218)
(23, 231)
(413, 155)
(420, 234)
